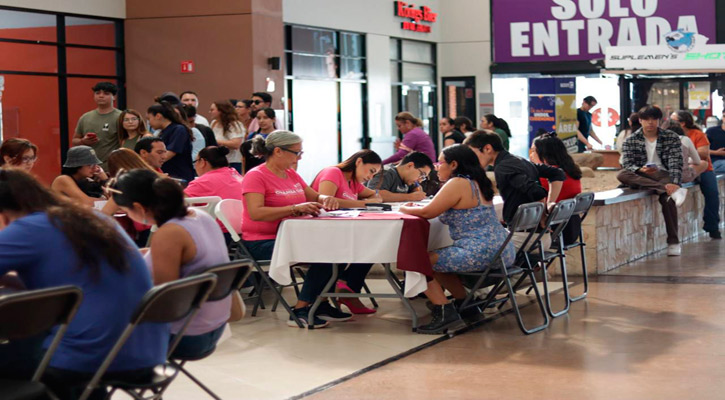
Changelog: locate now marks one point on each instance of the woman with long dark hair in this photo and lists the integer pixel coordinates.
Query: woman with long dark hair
(50, 242)
(465, 204)
(243, 108)
(707, 179)
(186, 242)
(451, 136)
(228, 131)
(499, 126)
(345, 182)
(177, 137)
(131, 128)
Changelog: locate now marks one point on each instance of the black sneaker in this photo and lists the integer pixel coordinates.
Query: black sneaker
(302, 314)
(715, 234)
(329, 313)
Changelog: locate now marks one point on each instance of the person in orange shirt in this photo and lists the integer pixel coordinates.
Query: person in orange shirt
(708, 183)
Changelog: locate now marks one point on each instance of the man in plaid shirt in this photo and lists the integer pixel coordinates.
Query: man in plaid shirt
(652, 159)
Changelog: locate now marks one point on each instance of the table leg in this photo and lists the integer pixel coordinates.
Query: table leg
(394, 283)
(318, 300)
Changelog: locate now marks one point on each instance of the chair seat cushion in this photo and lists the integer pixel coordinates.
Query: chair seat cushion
(22, 390)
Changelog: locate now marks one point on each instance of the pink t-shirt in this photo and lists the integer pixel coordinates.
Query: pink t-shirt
(223, 182)
(277, 192)
(345, 189)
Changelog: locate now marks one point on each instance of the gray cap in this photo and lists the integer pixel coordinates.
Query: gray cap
(79, 156)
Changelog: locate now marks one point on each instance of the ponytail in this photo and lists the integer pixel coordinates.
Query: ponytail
(163, 197)
(170, 113)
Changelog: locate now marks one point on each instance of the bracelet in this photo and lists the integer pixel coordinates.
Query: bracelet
(294, 211)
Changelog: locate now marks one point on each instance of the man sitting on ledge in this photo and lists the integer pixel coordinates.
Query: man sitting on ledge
(652, 159)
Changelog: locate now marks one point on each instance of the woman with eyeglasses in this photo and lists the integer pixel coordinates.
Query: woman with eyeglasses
(243, 109)
(216, 178)
(18, 153)
(345, 182)
(274, 192)
(228, 131)
(131, 128)
(465, 204)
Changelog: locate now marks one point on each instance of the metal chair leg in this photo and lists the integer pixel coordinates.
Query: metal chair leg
(585, 274)
(545, 280)
(372, 299)
(515, 306)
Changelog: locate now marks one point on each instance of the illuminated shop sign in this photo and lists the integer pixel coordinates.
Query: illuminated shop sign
(678, 49)
(569, 30)
(417, 15)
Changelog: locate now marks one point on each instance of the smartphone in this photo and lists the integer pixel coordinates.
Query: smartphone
(654, 166)
(379, 206)
(91, 135)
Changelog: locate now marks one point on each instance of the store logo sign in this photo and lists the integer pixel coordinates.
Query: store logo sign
(417, 15)
(681, 49)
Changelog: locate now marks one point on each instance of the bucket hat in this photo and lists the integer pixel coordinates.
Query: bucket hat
(79, 156)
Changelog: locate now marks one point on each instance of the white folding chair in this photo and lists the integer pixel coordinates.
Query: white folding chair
(207, 204)
(229, 212)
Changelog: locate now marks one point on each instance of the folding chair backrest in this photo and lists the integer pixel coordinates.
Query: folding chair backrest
(527, 217)
(230, 277)
(30, 313)
(229, 212)
(584, 202)
(174, 301)
(207, 204)
(168, 302)
(560, 215)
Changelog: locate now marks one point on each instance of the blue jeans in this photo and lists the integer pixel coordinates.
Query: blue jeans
(197, 346)
(711, 216)
(317, 276)
(719, 166)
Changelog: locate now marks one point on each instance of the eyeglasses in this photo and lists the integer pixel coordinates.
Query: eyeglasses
(257, 102)
(297, 153)
(134, 119)
(423, 176)
(28, 160)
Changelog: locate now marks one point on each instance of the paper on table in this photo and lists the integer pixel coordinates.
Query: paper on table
(340, 213)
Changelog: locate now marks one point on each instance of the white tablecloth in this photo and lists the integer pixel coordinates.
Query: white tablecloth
(346, 241)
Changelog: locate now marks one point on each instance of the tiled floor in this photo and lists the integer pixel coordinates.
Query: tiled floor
(652, 330)
(265, 359)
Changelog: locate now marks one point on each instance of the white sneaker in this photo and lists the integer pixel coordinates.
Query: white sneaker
(679, 196)
(674, 250)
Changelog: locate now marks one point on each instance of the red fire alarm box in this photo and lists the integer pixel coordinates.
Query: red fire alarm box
(187, 67)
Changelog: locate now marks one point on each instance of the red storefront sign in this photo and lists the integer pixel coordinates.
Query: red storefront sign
(417, 15)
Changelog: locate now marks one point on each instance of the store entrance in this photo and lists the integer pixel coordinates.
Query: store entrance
(699, 94)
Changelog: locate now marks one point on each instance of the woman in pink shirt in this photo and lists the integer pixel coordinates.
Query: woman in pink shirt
(345, 181)
(216, 178)
(273, 192)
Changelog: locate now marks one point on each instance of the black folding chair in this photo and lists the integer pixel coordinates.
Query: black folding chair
(31, 313)
(230, 278)
(526, 220)
(555, 224)
(170, 302)
(262, 269)
(584, 203)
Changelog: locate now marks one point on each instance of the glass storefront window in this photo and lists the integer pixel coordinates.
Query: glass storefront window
(420, 52)
(91, 61)
(27, 26)
(28, 57)
(90, 31)
(313, 41)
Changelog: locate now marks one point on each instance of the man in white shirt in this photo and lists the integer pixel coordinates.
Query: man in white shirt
(191, 98)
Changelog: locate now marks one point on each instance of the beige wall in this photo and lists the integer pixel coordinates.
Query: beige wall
(100, 8)
(162, 33)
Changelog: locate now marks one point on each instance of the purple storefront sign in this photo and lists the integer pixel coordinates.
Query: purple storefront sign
(570, 30)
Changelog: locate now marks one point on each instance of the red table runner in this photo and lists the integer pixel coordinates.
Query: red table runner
(413, 247)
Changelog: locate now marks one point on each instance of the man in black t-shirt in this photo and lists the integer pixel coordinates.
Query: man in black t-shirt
(584, 117)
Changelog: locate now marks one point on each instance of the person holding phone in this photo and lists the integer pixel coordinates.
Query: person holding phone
(652, 159)
(98, 128)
